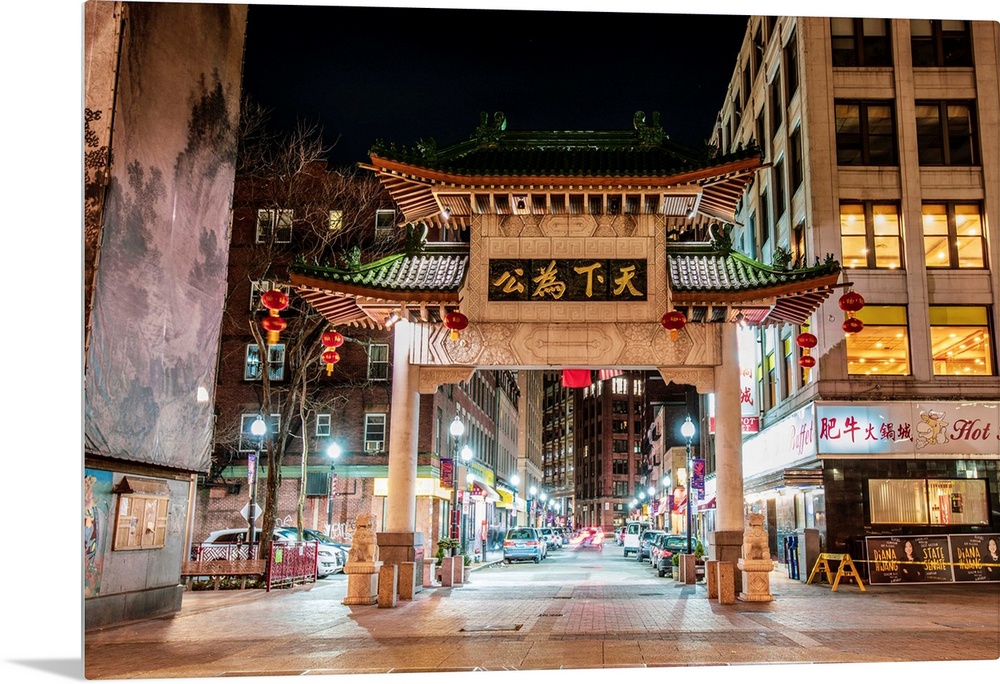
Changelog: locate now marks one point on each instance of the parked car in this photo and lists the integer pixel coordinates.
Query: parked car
(642, 552)
(553, 538)
(523, 543)
(328, 547)
(544, 542)
(633, 529)
(589, 538)
(330, 559)
(672, 544)
(656, 548)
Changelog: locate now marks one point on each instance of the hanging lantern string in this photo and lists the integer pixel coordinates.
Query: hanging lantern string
(331, 340)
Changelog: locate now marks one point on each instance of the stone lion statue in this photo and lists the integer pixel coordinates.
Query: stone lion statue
(364, 544)
(755, 539)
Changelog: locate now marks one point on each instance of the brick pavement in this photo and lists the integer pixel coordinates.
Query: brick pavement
(546, 621)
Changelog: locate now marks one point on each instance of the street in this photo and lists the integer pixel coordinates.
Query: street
(574, 610)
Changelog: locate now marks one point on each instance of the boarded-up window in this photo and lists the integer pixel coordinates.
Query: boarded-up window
(141, 517)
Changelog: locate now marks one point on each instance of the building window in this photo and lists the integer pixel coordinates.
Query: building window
(385, 223)
(960, 340)
(866, 134)
(620, 489)
(336, 222)
(883, 346)
(761, 131)
(946, 134)
(747, 83)
(274, 224)
(940, 43)
(789, 369)
(378, 362)
(791, 67)
(777, 106)
(322, 424)
(778, 184)
(860, 42)
(619, 466)
(374, 432)
(953, 236)
(275, 358)
(928, 502)
(764, 228)
(259, 287)
(796, 168)
(869, 235)
(757, 54)
(799, 244)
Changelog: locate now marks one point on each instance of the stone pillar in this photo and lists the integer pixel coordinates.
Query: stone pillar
(401, 501)
(388, 583)
(687, 569)
(727, 592)
(459, 569)
(728, 536)
(712, 578)
(403, 547)
(408, 584)
(447, 572)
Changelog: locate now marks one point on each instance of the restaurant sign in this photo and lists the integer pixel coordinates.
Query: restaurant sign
(933, 427)
(568, 280)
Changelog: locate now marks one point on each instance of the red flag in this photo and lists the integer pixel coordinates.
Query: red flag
(575, 378)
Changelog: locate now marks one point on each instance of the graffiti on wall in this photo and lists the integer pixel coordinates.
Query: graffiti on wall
(96, 515)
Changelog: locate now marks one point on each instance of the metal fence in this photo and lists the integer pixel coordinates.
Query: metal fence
(292, 563)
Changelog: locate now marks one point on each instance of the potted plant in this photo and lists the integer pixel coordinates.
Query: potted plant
(466, 567)
(675, 562)
(445, 547)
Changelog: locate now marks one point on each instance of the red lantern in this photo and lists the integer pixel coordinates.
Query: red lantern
(851, 301)
(806, 340)
(807, 361)
(332, 338)
(330, 357)
(273, 325)
(274, 300)
(853, 325)
(673, 321)
(455, 321)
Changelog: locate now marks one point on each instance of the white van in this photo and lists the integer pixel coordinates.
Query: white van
(633, 529)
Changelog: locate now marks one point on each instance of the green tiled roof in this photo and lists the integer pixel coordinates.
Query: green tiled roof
(493, 150)
(426, 272)
(702, 268)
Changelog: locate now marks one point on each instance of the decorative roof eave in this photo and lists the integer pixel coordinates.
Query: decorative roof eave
(426, 284)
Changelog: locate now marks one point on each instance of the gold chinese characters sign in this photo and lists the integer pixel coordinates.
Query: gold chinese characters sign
(570, 280)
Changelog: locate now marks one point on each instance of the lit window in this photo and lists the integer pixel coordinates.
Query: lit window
(953, 236)
(883, 346)
(276, 362)
(274, 224)
(869, 235)
(336, 220)
(960, 340)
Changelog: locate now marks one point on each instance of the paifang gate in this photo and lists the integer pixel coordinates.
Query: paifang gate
(566, 249)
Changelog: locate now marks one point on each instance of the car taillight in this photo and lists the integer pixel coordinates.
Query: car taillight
(531, 543)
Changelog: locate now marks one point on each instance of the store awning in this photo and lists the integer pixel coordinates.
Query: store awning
(707, 506)
(484, 490)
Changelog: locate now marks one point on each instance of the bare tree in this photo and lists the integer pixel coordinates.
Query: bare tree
(303, 210)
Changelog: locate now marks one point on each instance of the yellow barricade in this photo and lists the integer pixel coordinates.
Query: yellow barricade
(846, 569)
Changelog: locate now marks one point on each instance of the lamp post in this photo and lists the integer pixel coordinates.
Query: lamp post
(515, 480)
(533, 491)
(457, 429)
(687, 430)
(333, 452)
(469, 479)
(258, 429)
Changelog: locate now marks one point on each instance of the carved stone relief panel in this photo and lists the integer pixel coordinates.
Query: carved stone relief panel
(703, 379)
(432, 377)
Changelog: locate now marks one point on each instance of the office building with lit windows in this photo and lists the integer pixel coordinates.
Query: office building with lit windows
(882, 151)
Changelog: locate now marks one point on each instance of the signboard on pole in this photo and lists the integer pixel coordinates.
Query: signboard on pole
(698, 476)
(447, 473)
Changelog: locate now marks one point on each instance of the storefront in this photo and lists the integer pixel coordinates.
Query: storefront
(857, 472)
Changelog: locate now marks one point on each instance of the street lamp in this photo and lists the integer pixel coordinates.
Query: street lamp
(258, 429)
(457, 429)
(687, 430)
(469, 479)
(333, 452)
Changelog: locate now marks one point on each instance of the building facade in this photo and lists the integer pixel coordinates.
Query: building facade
(882, 149)
(529, 443)
(558, 482)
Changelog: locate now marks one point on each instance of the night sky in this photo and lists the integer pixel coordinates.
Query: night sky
(406, 74)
